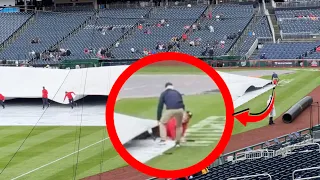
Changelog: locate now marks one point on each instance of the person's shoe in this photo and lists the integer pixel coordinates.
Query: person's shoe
(177, 145)
(162, 142)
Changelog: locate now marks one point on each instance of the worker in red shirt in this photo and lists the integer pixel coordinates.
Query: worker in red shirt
(2, 99)
(70, 97)
(171, 126)
(45, 98)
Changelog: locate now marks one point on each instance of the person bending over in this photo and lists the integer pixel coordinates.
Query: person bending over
(174, 108)
(70, 98)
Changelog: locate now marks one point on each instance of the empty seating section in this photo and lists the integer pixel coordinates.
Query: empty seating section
(286, 50)
(314, 55)
(235, 18)
(177, 13)
(290, 22)
(10, 22)
(261, 30)
(279, 167)
(124, 13)
(49, 28)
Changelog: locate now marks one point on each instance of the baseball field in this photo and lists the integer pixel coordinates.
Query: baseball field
(58, 152)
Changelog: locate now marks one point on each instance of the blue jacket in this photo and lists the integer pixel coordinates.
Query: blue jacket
(172, 99)
(274, 76)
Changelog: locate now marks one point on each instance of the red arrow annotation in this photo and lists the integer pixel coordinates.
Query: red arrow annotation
(244, 116)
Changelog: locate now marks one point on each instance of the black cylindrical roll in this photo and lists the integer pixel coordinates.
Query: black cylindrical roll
(296, 109)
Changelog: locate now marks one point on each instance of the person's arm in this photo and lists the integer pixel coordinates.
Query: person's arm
(183, 107)
(64, 97)
(73, 93)
(160, 106)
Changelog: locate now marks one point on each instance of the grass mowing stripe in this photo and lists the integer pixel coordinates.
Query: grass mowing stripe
(31, 163)
(59, 159)
(34, 140)
(85, 160)
(49, 143)
(18, 136)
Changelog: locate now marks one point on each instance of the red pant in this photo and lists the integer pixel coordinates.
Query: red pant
(171, 128)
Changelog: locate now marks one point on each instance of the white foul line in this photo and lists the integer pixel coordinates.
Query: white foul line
(59, 159)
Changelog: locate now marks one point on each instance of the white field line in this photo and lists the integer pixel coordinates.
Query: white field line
(59, 159)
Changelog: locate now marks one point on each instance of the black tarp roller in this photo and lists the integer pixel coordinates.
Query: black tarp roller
(296, 109)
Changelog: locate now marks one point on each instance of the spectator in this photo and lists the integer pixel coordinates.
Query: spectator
(186, 27)
(178, 45)
(217, 17)
(263, 56)
(145, 51)
(194, 27)
(162, 22)
(35, 40)
(210, 15)
(132, 50)
(184, 37)
(198, 26)
(211, 28)
(123, 30)
(211, 51)
(174, 39)
(191, 43)
(225, 37)
(222, 44)
(140, 27)
(239, 33)
(117, 44)
(197, 41)
(147, 31)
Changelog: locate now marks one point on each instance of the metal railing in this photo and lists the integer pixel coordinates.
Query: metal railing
(254, 154)
(261, 145)
(300, 35)
(296, 4)
(252, 49)
(290, 149)
(251, 176)
(305, 169)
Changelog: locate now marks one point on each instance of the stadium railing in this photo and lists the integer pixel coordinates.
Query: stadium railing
(268, 63)
(254, 154)
(296, 4)
(252, 176)
(305, 169)
(222, 159)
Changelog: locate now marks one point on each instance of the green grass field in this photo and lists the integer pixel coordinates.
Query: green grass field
(49, 152)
